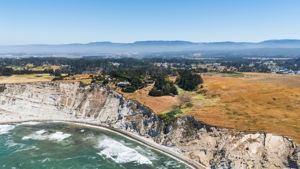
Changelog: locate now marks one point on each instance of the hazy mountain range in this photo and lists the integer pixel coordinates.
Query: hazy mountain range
(284, 47)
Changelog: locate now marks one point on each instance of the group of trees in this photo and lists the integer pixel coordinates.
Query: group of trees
(245, 65)
(162, 86)
(135, 84)
(135, 79)
(144, 66)
(6, 71)
(188, 80)
(134, 71)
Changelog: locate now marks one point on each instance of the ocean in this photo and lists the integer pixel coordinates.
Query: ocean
(70, 146)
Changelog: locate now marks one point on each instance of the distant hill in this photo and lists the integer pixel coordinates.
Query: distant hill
(160, 42)
(286, 47)
(282, 41)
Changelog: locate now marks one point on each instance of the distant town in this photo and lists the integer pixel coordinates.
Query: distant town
(279, 65)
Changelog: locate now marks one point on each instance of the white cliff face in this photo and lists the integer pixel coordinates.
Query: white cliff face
(212, 146)
(69, 98)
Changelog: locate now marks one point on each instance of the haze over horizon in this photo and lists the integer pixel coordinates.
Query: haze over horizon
(159, 41)
(66, 21)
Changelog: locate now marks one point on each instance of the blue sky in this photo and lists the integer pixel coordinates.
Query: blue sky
(81, 21)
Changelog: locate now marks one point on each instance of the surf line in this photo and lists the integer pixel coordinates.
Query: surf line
(126, 134)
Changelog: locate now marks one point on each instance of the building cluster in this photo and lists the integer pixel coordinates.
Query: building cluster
(279, 69)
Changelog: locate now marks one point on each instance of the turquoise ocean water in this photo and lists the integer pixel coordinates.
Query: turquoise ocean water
(70, 146)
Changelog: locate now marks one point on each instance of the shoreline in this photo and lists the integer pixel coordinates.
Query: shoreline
(134, 137)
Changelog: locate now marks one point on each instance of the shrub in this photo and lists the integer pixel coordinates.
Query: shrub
(128, 89)
(155, 92)
(58, 78)
(105, 82)
(170, 116)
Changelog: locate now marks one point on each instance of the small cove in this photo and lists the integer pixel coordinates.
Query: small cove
(67, 145)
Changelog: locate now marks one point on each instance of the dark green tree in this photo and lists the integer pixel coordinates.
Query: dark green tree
(188, 80)
(136, 83)
(163, 87)
(129, 89)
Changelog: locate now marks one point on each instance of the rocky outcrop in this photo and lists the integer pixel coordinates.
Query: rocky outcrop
(211, 146)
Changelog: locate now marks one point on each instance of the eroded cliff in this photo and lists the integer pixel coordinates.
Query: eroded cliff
(212, 146)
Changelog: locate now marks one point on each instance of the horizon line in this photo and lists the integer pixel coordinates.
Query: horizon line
(132, 42)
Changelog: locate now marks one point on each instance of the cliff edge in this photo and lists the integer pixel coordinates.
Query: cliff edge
(212, 146)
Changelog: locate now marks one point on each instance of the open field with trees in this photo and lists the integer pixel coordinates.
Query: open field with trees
(246, 101)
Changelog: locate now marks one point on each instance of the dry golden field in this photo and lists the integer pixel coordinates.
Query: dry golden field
(25, 78)
(32, 67)
(253, 102)
(157, 104)
(41, 68)
(248, 102)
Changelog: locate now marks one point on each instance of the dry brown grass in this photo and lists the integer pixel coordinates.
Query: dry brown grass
(32, 67)
(78, 77)
(255, 102)
(157, 104)
(44, 67)
(278, 79)
(25, 78)
(248, 102)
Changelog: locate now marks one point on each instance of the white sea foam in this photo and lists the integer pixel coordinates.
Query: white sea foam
(150, 155)
(11, 143)
(27, 148)
(45, 160)
(172, 164)
(169, 164)
(43, 135)
(5, 128)
(30, 123)
(58, 136)
(120, 153)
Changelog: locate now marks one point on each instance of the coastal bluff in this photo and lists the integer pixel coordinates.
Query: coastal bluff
(211, 146)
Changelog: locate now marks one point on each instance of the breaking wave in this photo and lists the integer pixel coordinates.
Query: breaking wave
(120, 153)
(30, 123)
(44, 135)
(5, 128)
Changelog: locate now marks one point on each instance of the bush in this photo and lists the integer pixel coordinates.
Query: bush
(105, 82)
(128, 89)
(57, 74)
(155, 92)
(170, 116)
(58, 78)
